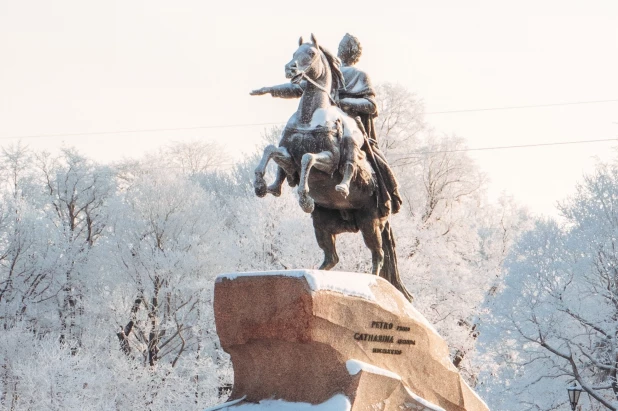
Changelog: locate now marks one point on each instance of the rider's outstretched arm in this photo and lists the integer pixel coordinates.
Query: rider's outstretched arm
(287, 90)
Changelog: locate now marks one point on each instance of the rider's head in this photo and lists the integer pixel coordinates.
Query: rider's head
(350, 50)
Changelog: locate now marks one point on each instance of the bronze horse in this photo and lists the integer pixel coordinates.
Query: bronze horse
(309, 153)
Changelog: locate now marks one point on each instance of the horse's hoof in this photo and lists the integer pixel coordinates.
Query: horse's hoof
(343, 189)
(329, 263)
(293, 180)
(260, 188)
(274, 190)
(306, 203)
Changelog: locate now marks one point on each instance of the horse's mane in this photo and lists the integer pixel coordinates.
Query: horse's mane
(335, 69)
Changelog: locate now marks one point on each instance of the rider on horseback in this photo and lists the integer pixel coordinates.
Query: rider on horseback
(357, 100)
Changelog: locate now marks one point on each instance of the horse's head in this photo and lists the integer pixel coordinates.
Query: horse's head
(313, 61)
(307, 60)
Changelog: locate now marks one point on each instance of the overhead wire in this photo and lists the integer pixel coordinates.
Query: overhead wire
(399, 159)
(146, 130)
(230, 165)
(218, 126)
(522, 107)
(557, 143)
(417, 153)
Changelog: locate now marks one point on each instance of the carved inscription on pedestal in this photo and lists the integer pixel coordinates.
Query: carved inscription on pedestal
(386, 336)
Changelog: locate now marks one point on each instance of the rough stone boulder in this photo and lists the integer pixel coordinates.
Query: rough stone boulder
(325, 337)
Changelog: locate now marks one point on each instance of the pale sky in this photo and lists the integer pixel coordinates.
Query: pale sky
(76, 66)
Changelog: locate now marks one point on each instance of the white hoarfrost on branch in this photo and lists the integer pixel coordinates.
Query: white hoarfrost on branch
(558, 316)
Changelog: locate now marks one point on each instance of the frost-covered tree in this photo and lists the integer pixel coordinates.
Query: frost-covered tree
(53, 212)
(75, 196)
(67, 228)
(168, 246)
(559, 310)
(400, 120)
(197, 156)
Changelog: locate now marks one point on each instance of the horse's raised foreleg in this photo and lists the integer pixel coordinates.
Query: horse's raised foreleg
(371, 228)
(259, 185)
(287, 168)
(275, 187)
(323, 161)
(286, 165)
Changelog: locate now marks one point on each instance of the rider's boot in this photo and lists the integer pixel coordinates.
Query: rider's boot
(275, 187)
(347, 148)
(344, 186)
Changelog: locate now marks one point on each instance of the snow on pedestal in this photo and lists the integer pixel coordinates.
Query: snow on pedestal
(338, 402)
(325, 340)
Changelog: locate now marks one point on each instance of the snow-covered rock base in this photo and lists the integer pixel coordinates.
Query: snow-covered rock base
(331, 341)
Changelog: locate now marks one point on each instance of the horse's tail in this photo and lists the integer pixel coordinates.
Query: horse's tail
(389, 271)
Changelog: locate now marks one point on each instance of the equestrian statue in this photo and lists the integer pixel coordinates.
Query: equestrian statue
(329, 149)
